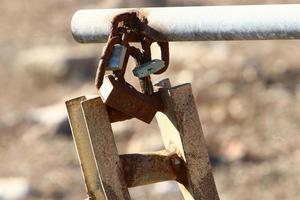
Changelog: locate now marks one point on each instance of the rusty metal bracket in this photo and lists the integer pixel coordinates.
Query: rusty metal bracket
(108, 175)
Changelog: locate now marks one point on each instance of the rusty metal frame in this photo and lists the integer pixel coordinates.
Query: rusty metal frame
(182, 133)
(108, 175)
(84, 150)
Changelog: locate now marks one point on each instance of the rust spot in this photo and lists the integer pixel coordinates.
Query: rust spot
(143, 13)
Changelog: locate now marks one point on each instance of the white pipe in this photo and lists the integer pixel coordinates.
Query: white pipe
(254, 22)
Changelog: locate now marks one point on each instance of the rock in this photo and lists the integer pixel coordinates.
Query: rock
(162, 190)
(239, 109)
(48, 115)
(9, 120)
(218, 113)
(56, 63)
(14, 188)
(53, 117)
(63, 127)
(233, 150)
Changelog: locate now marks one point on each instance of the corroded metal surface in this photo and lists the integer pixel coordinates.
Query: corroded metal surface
(84, 150)
(185, 159)
(254, 22)
(129, 101)
(142, 169)
(182, 132)
(105, 151)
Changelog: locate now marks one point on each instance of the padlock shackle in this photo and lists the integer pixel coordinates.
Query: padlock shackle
(131, 51)
(164, 52)
(104, 59)
(165, 55)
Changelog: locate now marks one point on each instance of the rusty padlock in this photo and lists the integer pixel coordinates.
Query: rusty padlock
(123, 97)
(148, 66)
(155, 66)
(117, 58)
(120, 95)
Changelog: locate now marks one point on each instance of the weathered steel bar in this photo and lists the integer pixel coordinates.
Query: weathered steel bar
(206, 23)
(142, 169)
(181, 131)
(104, 149)
(137, 169)
(84, 149)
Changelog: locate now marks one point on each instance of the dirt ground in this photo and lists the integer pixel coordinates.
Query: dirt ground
(247, 93)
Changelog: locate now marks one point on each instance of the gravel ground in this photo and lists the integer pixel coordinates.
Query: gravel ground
(247, 93)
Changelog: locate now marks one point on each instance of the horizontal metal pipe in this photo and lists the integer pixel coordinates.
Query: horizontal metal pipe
(207, 23)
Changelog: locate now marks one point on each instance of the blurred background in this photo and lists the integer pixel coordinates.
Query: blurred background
(247, 93)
